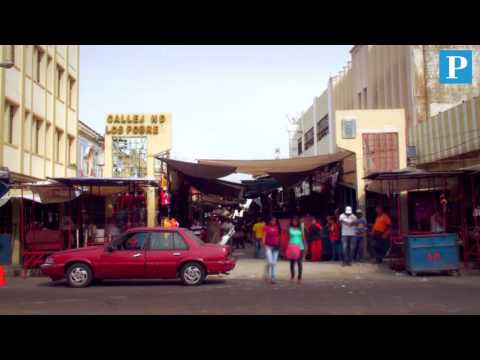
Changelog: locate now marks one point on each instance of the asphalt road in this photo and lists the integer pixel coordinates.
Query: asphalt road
(327, 289)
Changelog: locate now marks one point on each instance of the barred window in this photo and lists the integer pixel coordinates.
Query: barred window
(309, 139)
(322, 128)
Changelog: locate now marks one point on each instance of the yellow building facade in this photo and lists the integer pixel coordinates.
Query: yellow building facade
(39, 110)
(368, 122)
(38, 118)
(131, 143)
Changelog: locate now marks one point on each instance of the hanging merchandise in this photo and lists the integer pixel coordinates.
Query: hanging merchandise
(140, 199)
(476, 212)
(164, 198)
(164, 183)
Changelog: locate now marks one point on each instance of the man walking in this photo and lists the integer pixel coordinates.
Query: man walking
(380, 234)
(361, 230)
(258, 232)
(349, 222)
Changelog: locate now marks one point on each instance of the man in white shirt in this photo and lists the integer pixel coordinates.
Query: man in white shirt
(349, 222)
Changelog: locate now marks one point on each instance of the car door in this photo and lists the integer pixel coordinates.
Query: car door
(127, 260)
(165, 252)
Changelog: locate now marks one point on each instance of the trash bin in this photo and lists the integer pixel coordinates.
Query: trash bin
(432, 253)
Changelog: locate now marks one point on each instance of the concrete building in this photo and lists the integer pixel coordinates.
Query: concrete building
(38, 123)
(39, 109)
(441, 122)
(91, 154)
(441, 119)
(310, 131)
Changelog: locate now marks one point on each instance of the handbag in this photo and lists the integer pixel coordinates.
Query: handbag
(293, 252)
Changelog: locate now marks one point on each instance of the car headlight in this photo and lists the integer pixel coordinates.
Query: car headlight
(49, 260)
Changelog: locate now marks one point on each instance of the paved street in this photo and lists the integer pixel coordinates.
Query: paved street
(327, 289)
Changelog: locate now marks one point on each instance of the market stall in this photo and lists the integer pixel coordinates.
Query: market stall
(65, 213)
(431, 241)
(273, 188)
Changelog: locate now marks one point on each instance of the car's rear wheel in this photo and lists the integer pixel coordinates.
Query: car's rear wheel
(192, 274)
(79, 275)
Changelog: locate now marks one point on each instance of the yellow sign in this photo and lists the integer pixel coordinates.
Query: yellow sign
(133, 124)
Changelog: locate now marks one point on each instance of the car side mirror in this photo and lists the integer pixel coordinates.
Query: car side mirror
(110, 248)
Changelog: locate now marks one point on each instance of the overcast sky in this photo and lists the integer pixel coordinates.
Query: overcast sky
(226, 101)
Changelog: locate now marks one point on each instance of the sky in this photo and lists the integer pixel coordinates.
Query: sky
(227, 102)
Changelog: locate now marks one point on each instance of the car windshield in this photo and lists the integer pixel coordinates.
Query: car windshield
(194, 237)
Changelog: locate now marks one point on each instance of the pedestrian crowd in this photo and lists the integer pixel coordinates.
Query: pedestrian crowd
(340, 237)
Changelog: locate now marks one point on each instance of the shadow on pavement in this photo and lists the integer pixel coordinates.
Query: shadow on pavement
(115, 283)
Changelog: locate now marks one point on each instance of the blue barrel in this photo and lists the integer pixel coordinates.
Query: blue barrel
(5, 249)
(432, 253)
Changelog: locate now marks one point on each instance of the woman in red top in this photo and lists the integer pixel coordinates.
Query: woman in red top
(334, 234)
(271, 240)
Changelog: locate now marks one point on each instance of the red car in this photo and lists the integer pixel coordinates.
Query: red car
(142, 253)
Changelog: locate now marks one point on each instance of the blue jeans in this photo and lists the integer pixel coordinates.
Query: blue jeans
(358, 253)
(258, 248)
(347, 247)
(272, 257)
(337, 250)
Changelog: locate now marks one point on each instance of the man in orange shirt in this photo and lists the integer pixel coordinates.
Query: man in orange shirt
(380, 234)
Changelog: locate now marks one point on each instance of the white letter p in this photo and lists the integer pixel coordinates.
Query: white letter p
(452, 69)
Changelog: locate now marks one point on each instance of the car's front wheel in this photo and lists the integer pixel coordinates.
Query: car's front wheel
(79, 275)
(192, 274)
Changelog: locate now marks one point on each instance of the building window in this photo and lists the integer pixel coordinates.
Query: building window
(71, 92)
(27, 131)
(48, 140)
(322, 128)
(58, 144)
(10, 123)
(364, 98)
(129, 157)
(38, 55)
(71, 150)
(37, 127)
(359, 98)
(309, 140)
(49, 72)
(59, 81)
(299, 147)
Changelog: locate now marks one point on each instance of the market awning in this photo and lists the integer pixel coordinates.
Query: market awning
(411, 173)
(411, 179)
(105, 181)
(4, 175)
(280, 166)
(257, 187)
(201, 171)
(44, 192)
(3, 188)
(216, 187)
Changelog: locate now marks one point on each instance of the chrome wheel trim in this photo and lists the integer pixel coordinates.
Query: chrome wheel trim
(78, 275)
(192, 275)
